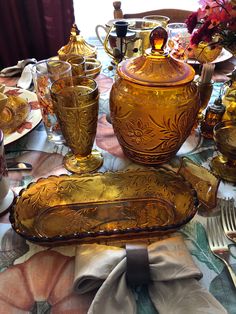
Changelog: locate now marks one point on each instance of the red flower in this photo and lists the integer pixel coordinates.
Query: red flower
(204, 33)
(232, 25)
(192, 21)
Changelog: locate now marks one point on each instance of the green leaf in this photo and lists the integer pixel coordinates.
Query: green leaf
(224, 291)
(144, 303)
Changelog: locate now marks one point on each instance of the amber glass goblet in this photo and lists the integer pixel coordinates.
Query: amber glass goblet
(163, 20)
(77, 64)
(224, 164)
(75, 101)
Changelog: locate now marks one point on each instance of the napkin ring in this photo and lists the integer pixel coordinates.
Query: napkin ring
(137, 270)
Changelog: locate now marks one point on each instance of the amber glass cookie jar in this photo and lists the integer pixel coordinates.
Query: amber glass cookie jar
(154, 103)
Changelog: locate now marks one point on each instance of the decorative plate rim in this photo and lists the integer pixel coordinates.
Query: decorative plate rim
(224, 56)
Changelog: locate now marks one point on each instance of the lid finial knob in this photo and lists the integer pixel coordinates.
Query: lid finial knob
(158, 39)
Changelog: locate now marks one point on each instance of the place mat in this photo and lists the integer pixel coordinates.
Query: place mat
(43, 165)
(106, 138)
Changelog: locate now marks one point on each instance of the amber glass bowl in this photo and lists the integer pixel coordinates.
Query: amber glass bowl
(224, 135)
(96, 207)
(92, 67)
(206, 52)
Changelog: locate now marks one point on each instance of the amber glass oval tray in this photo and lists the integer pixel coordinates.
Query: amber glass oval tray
(89, 208)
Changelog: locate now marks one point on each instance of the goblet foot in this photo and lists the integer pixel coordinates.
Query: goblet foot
(224, 168)
(86, 164)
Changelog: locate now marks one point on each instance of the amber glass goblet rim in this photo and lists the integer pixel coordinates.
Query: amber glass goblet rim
(72, 81)
(177, 25)
(162, 19)
(38, 68)
(75, 59)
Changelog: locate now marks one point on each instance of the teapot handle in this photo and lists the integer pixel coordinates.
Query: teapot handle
(97, 32)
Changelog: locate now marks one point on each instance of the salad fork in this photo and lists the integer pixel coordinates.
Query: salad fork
(228, 218)
(218, 243)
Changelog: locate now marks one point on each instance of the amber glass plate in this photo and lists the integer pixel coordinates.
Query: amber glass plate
(91, 207)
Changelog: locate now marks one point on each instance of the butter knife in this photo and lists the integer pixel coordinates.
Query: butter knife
(18, 166)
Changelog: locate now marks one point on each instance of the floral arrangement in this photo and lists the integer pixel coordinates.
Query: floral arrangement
(214, 23)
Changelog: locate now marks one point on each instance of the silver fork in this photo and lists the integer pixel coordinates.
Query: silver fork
(218, 243)
(228, 218)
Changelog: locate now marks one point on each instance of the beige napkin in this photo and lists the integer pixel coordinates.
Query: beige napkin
(173, 288)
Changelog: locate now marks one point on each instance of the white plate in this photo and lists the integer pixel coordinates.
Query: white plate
(224, 55)
(34, 117)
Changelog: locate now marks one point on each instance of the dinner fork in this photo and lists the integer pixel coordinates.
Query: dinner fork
(228, 218)
(218, 243)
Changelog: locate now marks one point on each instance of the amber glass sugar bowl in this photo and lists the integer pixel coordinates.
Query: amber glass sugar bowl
(154, 103)
(77, 46)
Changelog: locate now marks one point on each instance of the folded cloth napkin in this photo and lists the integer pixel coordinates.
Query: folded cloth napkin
(174, 286)
(23, 69)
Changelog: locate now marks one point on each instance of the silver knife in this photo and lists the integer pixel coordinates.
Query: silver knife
(18, 166)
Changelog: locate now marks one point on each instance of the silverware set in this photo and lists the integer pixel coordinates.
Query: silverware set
(220, 228)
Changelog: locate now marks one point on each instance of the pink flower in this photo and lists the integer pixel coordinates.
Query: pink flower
(215, 17)
(201, 14)
(203, 2)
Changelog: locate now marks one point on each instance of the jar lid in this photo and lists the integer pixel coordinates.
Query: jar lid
(77, 46)
(156, 67)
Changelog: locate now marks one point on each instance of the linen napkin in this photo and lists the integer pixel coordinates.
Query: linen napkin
(174, 286)
(22, 69)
